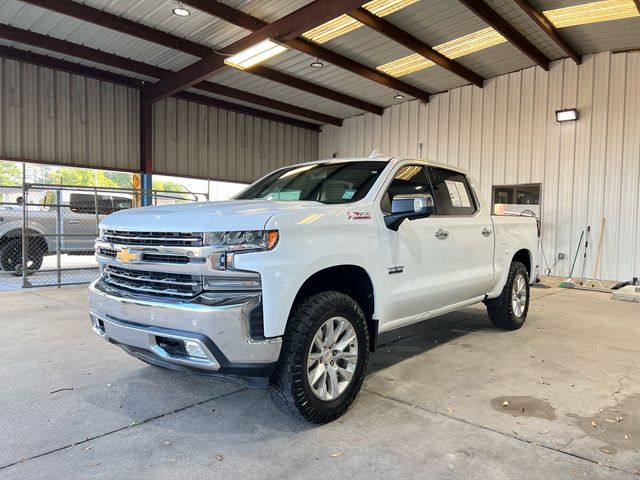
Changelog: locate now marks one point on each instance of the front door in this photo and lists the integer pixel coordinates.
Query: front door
(416, 262)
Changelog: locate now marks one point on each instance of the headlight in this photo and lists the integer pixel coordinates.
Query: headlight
(242, 240)
(101, 232)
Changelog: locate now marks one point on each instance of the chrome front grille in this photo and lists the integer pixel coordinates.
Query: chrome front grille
(171, 285)
(168, 239)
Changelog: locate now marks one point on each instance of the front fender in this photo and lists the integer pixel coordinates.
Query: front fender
(303, 250)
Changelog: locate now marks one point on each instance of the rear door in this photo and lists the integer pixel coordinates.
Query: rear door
(462, 224)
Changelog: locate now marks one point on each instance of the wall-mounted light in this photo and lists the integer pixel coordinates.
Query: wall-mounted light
(179, 10)
(316, 64)
(567, 115)
(256, 54)
(398, 96)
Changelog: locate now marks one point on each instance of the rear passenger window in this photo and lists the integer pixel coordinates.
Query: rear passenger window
(452, 194)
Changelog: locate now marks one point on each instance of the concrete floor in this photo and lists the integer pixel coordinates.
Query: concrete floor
(73, 406)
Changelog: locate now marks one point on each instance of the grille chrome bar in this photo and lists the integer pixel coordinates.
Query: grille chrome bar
(130, 276)
(157, 283)
(154, 238)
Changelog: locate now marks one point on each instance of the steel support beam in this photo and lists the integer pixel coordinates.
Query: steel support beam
(144, 32)
(244, 20)
(505, 29)
(286, 28)
(398, 35)
(547, 27)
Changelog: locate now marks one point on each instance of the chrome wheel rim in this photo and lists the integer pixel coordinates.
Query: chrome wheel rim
(332, 358)
(519, 295)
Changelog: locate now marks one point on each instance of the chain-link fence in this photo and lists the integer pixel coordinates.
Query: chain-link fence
(47, 232)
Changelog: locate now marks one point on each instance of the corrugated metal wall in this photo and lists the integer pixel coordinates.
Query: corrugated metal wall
(200, 141)
(54, 117)
(507, 133)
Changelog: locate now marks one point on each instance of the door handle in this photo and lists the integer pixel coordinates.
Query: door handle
(74, 222)
(486, 232)
(441, 234)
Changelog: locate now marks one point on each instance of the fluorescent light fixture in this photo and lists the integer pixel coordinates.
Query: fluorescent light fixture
(255, 54)
(345, 24)
(455, 48)
(592, 13)
(567, 115)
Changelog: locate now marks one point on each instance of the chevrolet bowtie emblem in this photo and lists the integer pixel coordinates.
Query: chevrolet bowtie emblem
(125, 256)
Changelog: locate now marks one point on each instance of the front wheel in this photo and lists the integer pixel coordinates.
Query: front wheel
(323, 360)
(11, 257)
(509, 310)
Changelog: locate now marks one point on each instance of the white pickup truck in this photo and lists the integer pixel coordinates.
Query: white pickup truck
(289, 284)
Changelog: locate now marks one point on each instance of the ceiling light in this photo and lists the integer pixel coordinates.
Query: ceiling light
(345, 24)
(455, 48)
(316, 64)
(255, 54)
(592, 13)
(180, 11)
(398, 96)
(567, 115)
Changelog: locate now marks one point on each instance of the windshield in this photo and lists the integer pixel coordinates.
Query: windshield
(328, 182)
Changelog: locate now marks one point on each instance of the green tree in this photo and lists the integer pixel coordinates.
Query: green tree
(10, 174)
(81, 177)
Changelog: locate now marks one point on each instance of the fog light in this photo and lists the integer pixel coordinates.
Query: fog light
(194, 349)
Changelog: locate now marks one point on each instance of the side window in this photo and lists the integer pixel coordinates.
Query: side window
(451, 192)
(409, 179)
(82, 203)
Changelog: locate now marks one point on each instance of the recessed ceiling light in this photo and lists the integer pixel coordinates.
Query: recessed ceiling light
(455, 48)
(398, 96)
(345, 24)
(256, 54)
(316, 64)
(180, 11)
(592, 13)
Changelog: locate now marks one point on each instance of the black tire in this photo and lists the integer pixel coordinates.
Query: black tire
(289, 384)
(11, 257)
(501, 309)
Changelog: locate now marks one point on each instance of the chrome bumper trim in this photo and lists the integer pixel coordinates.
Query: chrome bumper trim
(226, 324)
(146, 339)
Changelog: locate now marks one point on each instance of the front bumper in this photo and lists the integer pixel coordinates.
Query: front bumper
(143, 327)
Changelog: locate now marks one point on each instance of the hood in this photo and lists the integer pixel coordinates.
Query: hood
(228, 215)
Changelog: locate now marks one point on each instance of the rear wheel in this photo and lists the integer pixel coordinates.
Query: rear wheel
(509, 310)
(323, 359)
(11, 257)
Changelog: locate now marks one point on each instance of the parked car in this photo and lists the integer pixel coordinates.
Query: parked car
(76, 223)
(288, 285)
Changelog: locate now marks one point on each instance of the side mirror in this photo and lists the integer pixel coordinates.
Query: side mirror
(408, 207)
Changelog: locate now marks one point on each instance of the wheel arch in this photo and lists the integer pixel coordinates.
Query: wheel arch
(34, 234)
(352, 280)
(524, 256)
